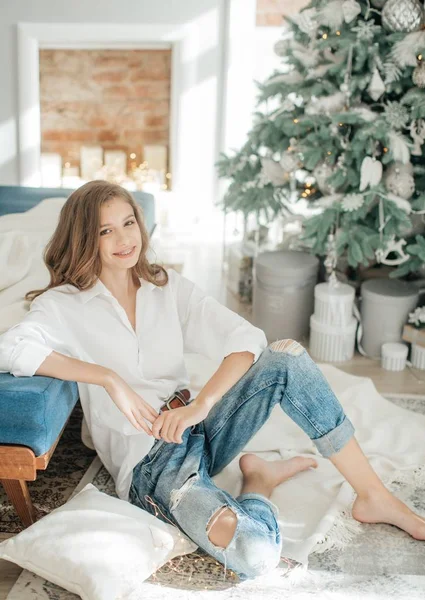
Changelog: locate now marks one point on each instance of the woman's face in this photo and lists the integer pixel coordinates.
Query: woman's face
(119, 233)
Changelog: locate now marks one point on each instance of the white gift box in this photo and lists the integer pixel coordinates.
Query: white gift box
(394, 356)
(333, 326)
(333, 304)
(332, 343)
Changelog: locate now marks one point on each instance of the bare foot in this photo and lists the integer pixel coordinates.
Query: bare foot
(272, 473)
(383, 507)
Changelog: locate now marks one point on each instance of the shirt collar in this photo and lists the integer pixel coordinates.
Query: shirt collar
(100, 288)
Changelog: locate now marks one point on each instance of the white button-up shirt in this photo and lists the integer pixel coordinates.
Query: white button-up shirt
(92, 326)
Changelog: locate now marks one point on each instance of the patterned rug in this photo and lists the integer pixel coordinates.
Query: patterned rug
(380, 562)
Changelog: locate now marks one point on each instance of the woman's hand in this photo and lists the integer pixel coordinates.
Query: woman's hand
(137, 410)
(171, 424)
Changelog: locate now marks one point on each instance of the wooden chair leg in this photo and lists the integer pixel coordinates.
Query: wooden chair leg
(18, 494)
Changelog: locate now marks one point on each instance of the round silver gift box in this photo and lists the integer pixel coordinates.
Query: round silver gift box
(385, 307)
(418, 356)
(283, 293)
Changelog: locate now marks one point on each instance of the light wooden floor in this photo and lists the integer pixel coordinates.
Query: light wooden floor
(201, 256)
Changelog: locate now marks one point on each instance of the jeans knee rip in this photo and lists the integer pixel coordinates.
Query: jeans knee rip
(177, 495)
(215, 518)
(287, 346)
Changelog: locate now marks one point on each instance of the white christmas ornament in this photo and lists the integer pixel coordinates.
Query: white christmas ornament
(306, 20)
(274, 172)
(366, 30)
(321, 172)
(350, 10)
(402, 15)
(396, 114)
(402, 167)
(289, 162)
(371, 173)
(399, 146)
(331, 15)
(418, 75)
(417, 131)
(326, 104)
(352, 202)
(405, 51)
(281, 47)
(376, 86)
(398, 180)
(392, 246)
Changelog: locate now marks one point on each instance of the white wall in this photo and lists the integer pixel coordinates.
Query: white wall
(265, 59)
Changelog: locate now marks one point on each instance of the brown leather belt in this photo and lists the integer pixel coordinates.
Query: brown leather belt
(178, 399)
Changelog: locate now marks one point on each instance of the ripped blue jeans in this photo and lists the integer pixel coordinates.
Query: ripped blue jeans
(174, 481)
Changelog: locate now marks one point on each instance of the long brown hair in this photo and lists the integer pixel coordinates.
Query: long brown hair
(72, 253)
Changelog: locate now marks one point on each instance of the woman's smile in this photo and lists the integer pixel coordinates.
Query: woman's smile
(125, 253)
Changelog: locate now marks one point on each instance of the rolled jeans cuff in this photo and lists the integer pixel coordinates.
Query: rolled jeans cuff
(254, 496)
(334, 441)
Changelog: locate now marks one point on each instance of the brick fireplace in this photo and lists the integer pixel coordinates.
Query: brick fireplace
(116, 101)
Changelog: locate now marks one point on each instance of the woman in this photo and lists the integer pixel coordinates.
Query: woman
(119, 326)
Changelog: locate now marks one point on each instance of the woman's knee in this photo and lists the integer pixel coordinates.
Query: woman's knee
(287, 346)
(250, 555)
(222, 526)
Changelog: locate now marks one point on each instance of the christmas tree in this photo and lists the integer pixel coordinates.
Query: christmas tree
(343, 126)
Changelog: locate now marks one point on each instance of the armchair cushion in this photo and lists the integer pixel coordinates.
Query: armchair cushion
(34, 410)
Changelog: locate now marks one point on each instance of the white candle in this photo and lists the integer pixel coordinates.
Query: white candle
(116, 160)
(91, 160)
(156, 157)
(51, 169)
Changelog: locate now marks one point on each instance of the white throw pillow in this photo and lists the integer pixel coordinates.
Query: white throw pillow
(96, 546)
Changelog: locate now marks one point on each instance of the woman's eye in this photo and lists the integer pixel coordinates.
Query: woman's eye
(106, 230)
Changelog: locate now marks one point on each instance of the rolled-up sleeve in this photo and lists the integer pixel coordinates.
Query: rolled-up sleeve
(25, 346)
(211, 329)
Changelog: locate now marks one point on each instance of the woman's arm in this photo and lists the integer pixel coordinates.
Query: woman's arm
(171, 424)
(229, 372)
(127, 400)
(72, 369)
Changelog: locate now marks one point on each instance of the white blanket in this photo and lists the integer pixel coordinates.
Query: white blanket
(391, 437)
(23, 237)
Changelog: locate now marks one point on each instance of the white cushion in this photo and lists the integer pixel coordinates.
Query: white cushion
(96, 546)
